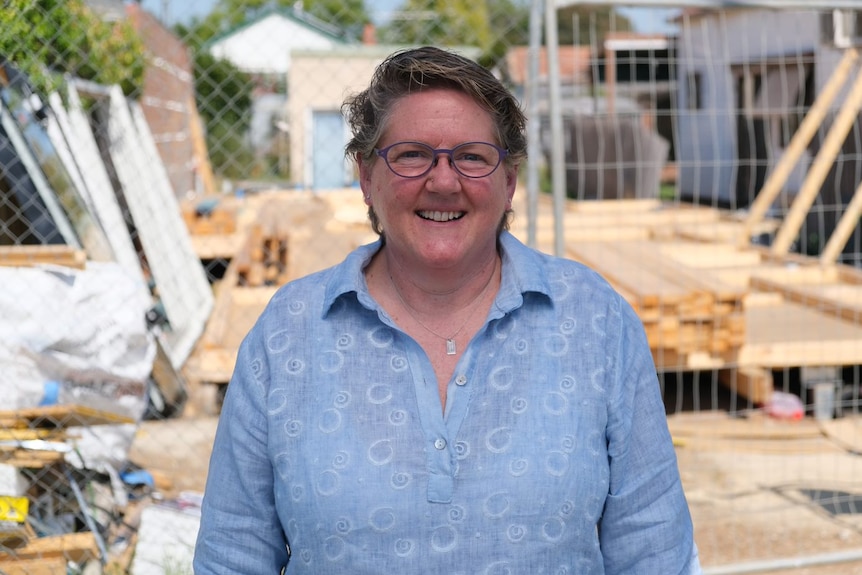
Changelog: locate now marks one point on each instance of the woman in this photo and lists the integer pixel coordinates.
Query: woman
(446, 400)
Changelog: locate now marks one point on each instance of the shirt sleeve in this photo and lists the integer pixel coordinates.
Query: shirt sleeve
(646, 526)
(240, 531)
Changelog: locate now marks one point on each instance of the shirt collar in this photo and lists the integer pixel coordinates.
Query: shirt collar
(523, 271)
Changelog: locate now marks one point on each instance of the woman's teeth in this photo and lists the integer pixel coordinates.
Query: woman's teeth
(441, 216)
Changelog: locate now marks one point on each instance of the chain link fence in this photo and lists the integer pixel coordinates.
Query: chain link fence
(166, 165)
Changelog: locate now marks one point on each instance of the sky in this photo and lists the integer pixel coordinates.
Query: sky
(650, 20)
(185, 10)
(645, 20)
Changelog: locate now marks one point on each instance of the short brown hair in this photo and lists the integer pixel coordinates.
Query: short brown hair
(414, 70)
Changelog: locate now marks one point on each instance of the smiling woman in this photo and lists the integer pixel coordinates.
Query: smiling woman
(496, 408)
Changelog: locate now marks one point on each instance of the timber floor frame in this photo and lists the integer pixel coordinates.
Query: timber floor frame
(708, 301)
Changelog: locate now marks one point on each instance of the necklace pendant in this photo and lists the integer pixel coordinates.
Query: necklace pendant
(450, 347)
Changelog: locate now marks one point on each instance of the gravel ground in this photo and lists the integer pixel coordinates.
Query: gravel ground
(768, 492)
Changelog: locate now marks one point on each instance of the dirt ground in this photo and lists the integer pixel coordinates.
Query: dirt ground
(762, 492)
(768, 492)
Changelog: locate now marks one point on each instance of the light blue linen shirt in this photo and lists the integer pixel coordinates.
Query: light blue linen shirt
(553, 454)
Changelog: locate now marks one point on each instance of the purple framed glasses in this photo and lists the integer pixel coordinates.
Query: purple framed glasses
(415, 159)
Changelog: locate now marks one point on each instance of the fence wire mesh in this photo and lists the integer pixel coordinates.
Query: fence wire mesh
(166, 165)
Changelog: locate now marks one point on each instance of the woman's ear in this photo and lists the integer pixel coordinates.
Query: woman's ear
(511, 184)
(364, 179)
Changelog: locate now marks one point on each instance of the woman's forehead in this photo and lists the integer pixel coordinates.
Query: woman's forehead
(439, 112)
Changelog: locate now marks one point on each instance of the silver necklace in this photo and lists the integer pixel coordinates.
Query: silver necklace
(450, 341)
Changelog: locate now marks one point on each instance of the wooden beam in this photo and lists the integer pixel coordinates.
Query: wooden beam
(59, 416)
(820, 167)
(844, 229)
(211, 365)
(639, 205)
(753, 383)
(42, 566)
(839, 299)
(652, 218)
(77, 547)
(34, 255)
(798, 143)
(203, 168)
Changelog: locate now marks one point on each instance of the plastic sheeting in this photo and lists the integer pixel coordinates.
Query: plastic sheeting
(72, 336)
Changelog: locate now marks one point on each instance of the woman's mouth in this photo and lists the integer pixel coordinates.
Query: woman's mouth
(440, 216)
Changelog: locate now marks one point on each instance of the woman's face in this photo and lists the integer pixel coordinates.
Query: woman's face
(442, 219)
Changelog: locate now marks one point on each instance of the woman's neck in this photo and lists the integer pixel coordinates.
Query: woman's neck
(430, 291)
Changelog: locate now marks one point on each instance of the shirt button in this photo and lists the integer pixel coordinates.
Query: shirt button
(440, 443)
(461, 380)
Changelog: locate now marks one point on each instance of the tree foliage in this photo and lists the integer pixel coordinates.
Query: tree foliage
(223, 95)
(441, 22)
(490, 25)
(49, 38)
(577, 23)
(493, 26)
(224, 92)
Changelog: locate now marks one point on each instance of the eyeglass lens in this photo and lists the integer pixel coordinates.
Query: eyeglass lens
(413, 159)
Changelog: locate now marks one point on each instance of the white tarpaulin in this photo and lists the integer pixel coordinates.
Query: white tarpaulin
(74, 336)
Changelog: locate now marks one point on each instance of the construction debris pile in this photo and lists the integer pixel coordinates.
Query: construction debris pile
(103, 301)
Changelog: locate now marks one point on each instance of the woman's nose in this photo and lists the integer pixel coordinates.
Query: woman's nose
(448, 161)
(441, 175)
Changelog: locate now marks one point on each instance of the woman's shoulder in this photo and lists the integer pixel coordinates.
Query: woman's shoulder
(556, 268)
(327, 284)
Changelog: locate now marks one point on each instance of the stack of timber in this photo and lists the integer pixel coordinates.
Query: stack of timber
(655, 254)
(263, 259)
(214, 226)
(709, 298)
(35, 440)
(689, 315)
(803, 311)
(285, 235)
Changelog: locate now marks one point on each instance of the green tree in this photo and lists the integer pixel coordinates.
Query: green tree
(441, 22)
(49, 38)
(223, 95)
(224, 90)
(491, 25)
(349, 15)
(510, 22)
(576, 24)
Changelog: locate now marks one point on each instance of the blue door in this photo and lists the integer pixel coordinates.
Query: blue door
(327, 150)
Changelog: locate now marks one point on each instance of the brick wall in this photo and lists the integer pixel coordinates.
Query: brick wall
(168, 98)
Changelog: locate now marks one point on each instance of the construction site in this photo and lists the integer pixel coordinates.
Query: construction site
(133, 269)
